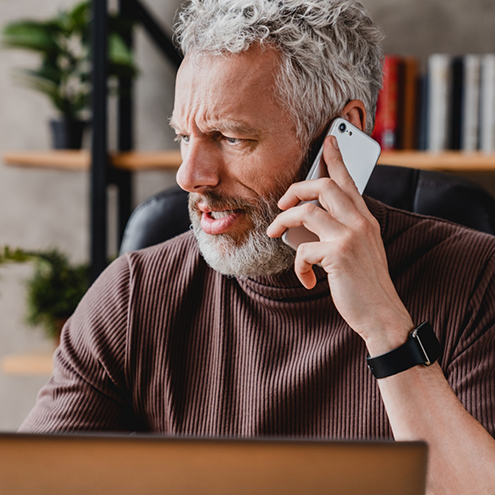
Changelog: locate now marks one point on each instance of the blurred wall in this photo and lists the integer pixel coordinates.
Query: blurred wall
(40, 209)
(43, 209)
(421, 27)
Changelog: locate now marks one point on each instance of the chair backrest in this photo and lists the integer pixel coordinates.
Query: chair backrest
(165, 215)
(159, 218)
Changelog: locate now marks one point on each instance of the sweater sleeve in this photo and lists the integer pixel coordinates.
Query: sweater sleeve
(471, 361)
(88, 387)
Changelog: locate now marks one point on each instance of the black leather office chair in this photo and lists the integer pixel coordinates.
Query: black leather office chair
(165, 215)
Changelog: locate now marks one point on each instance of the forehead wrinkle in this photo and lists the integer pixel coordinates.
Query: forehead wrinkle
(206, 124)
(209, 101)
(232, 125)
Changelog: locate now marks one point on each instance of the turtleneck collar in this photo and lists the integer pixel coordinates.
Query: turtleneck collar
(285, 286)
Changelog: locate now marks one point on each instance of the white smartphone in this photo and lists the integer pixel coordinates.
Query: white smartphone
(360, 154)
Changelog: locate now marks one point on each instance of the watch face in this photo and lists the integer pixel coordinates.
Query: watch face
(428, 342)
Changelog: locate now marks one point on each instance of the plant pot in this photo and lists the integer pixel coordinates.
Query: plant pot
(67, 133)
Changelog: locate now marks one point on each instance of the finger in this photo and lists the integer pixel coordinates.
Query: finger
(329, 195)
(305, 273)
(340, 177)
(314, 218)
(288, 200)
(307, 255)
(336, 166)
(339, 173)
(308, 190)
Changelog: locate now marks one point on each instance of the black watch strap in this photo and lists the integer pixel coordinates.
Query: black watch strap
(421, 347)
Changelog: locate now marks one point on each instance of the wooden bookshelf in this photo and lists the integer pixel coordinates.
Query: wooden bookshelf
(448, 161)
(33, 363)
(63, 159)
(74, 160)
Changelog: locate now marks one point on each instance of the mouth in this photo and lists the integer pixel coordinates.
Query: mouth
(217, 215)
(218, 221)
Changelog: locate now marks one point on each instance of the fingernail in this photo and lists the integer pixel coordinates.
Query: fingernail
(335, 142)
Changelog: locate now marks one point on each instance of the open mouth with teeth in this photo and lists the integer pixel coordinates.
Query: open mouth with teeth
(216, 215)
(215, 222)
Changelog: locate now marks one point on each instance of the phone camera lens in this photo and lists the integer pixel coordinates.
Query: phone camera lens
(342, 127)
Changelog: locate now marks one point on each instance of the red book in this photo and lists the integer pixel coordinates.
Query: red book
(387, 118)
(408, 104)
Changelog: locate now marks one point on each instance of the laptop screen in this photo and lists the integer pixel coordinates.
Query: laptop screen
(140, 464)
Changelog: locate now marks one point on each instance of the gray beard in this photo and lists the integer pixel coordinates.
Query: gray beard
(256, 254)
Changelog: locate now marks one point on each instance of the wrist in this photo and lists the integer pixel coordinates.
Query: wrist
(421, 347)
(379, 343)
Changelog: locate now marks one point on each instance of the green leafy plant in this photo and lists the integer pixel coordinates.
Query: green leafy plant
(55, 288)
(63, 43)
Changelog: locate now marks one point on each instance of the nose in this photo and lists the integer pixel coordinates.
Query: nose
(200, 168)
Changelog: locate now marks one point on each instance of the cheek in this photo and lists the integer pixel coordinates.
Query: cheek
(267, 170)
(281, 169)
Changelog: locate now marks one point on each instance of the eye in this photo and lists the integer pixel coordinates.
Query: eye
(182, 138)
(232, 140)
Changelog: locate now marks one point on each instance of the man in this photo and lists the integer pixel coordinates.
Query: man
(236, 346)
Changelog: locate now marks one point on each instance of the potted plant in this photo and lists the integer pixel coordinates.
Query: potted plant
(63, 75)
(55, 288)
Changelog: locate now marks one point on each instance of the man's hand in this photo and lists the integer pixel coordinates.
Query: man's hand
(350, 250)
(419, 402)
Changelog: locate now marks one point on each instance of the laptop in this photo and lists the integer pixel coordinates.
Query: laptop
(78, 464)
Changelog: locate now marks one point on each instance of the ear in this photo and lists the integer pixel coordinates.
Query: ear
(355, 113)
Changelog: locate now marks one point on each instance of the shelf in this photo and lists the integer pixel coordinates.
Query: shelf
(63, 159)
(34, 363)
(149, 160)
(448, 161)
(80, 160)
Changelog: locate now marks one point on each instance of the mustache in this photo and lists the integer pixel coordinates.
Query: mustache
(214, 200)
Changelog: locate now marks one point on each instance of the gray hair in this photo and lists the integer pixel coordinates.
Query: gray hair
(330, 51)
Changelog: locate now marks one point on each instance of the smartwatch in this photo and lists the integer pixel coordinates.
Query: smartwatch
(421, 347)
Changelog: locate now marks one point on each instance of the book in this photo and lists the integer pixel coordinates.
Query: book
(452, 106)
(487, 104)
(456, 106)
(439, 86)
(408, 103)
(470, 103)
(422, 119)
(386, 120)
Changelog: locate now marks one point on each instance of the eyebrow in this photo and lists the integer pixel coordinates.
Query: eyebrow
(225, 126)
(172, 123)
(237, 126)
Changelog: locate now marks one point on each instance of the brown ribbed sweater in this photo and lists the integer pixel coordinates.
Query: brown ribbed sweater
(163, 343)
